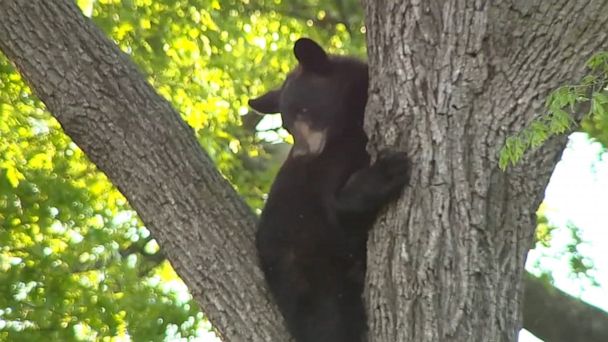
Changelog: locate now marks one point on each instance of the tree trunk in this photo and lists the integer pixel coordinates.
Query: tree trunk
(442, 261)
(451, 80)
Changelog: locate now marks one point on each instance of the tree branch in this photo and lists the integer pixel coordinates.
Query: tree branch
(109, 110)
(555, 316)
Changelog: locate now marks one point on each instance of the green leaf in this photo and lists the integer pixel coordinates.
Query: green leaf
(557, 120)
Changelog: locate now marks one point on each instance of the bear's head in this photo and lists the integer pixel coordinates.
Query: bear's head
(322, 100)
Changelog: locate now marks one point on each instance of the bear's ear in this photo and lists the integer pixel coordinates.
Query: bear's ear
(311, 56)
(267, 103)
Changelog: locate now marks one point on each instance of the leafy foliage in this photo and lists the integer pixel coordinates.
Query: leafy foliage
(581, 267)
(591, 95)
(70, 258)
(591, 92)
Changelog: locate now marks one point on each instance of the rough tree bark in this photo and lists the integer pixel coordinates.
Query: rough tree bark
(453, 256)
(452, 79)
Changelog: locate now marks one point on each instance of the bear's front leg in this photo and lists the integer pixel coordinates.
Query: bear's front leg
(368, 189)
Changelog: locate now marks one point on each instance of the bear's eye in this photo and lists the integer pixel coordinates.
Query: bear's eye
(298, 109)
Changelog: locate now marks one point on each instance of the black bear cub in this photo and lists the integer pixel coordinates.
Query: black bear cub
(312, 233)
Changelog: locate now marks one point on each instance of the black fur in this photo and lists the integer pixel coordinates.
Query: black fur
(313, 230)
